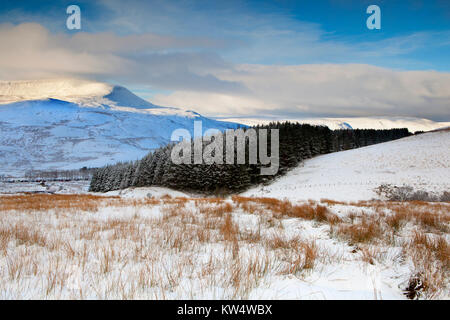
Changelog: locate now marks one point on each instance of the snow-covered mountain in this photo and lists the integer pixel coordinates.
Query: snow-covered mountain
(68, 124)
(413, 124)
(82, 92)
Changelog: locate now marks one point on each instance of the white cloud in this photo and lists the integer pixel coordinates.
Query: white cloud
(30, 51)
(324, 90)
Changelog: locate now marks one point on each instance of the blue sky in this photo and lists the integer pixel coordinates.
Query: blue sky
(175, 51)
(245, 26)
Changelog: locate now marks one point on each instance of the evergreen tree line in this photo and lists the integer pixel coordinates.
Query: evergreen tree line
(297, 142)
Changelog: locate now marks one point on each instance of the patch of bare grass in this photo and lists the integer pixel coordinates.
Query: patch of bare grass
(363, 230)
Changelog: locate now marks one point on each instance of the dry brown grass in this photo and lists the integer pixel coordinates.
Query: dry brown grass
(132, 252)
(251, 208)
(433, 220)
(217, 210)
(331, 202)
(427, 248)
(313, 212)
(370, 254)
(228, 229)
(431, 216)
(284, 208)
(432, 245)
(69, 202)
(310, 253)
(363, 230)
(22, 234)
(430, 255)
(277, 241)
(304, 257)
(45, 202)
(397, 220)
(252, 236)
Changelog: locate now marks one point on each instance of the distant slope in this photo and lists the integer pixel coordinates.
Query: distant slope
(413, 124)
(71, 123)
(421, 161)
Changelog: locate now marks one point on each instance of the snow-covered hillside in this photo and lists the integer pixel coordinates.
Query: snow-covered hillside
(413, 124)
(68, 124)
(421, 161)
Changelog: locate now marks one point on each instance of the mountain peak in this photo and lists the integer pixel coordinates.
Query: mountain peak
(83, 92)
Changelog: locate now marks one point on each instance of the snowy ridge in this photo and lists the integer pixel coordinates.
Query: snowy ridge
(420, 161)
(82, 92)
(413, 124)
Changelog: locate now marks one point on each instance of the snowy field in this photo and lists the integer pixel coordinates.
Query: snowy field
(313, 234)
(63, 187)
(111, 247)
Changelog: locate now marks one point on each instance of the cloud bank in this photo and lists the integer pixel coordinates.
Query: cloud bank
(194, 76)
(325, 90)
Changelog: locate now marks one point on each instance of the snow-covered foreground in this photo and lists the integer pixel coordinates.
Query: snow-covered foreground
(156, 243)
(148, 245)
(421, 161)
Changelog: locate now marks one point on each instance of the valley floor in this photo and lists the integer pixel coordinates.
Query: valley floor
(154, 243)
